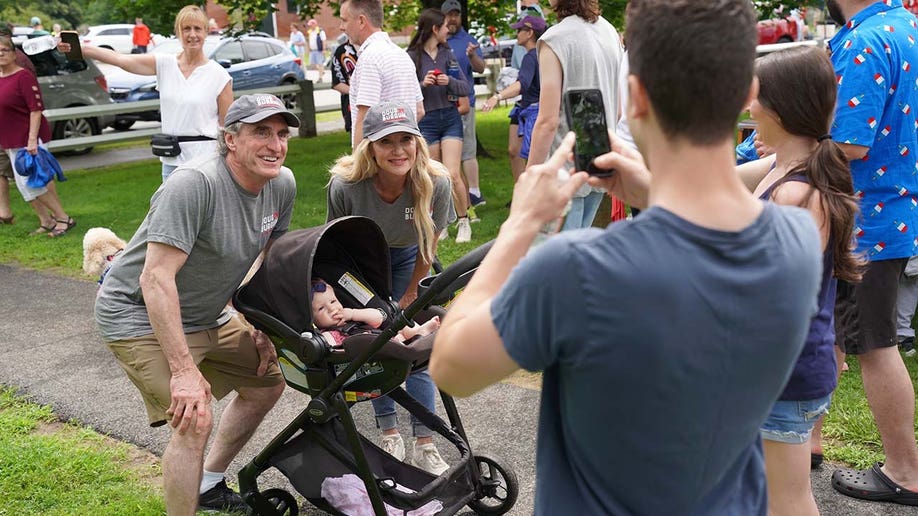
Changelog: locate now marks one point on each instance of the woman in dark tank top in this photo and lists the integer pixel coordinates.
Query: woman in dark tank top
(794, 110)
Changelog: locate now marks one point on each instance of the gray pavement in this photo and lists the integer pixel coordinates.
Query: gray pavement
(53, 355)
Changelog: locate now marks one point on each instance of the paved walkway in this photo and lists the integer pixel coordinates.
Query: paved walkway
(52, 353)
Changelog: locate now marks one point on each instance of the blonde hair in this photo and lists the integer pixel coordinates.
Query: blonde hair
(190, 14)
(361, 166)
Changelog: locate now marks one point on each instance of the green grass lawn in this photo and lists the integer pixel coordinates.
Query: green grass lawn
(72, 471)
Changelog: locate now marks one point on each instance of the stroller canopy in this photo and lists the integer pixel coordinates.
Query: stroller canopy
(281, 287)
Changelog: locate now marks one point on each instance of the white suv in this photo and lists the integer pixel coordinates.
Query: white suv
(118, 37)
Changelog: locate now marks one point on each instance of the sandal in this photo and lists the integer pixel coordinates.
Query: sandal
(43, 230)
(7, 220)
(69, 224)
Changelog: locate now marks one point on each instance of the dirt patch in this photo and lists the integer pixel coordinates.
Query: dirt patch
(525, 379)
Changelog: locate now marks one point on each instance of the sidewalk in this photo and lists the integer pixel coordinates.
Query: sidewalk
(53, 354)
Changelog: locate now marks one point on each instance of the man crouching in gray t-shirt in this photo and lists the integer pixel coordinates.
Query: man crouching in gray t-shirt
(664, 340)
(162, 306)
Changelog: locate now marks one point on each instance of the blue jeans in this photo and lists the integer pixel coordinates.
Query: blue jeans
(792, 422)
(419, 385)
(583, 210)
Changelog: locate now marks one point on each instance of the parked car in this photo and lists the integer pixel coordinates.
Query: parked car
(777, 30)
(253, 61)
(503, 49)
(118, 37)
(65, 84)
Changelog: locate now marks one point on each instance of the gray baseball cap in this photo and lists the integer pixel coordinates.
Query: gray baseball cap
(387, 118)
(250, 109)
(450, 5)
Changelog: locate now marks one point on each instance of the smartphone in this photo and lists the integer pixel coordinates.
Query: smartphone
(73, 39)
(586, 116)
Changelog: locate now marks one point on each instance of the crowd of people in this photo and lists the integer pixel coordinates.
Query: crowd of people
(705, 409)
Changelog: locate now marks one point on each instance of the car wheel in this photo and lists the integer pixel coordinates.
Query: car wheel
(289, 98)
(76, 128)
(785, 39)
(123, 125)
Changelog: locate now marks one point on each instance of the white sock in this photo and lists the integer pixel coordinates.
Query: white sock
(475, 191)
(209, 479)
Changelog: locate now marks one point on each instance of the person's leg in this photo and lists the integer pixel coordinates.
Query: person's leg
(182, 461)
(6, 173)
(469, 157)
(60, 219)
(787, 471)
(906, 301)
(450, 152)
(46, 223)
(238, 422)
(517, 164)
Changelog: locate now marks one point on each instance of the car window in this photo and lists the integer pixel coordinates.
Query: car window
(255, 50)
(231, 52)
(114, 32)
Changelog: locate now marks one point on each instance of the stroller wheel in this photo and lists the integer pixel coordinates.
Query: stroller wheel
(498, 486)
(284, 503)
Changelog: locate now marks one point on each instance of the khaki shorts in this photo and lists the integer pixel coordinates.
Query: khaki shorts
(6, 167)
(225, 355)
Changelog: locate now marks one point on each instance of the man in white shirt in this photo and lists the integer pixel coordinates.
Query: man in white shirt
(384, 71)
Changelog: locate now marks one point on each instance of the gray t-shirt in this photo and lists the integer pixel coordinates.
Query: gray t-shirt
(664, 346)
(397, 219)
(202, 211)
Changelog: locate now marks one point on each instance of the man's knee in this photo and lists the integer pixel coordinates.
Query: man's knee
(262, 396)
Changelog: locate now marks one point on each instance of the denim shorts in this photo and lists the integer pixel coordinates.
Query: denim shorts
(792, 422)
(441, 124)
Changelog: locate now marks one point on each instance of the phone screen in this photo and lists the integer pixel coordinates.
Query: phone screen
(587, 118)
(73, 39)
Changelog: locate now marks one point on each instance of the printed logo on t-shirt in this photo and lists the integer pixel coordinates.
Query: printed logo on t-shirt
(409, 214)
(268, 222)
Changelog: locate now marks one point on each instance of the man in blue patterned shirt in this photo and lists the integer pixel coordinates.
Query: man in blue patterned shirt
(875, 56)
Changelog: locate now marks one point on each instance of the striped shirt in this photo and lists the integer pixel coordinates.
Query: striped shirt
(384, 73)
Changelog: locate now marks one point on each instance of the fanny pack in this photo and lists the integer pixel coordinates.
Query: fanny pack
(167, 145)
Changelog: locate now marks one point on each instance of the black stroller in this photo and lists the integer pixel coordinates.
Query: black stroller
(322, 442)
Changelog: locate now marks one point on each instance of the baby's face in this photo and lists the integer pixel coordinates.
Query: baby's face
(326, 309)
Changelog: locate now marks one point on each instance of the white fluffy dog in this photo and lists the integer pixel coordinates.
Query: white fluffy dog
(100, 247)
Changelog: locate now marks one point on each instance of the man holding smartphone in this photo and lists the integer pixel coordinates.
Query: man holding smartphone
(665, 339)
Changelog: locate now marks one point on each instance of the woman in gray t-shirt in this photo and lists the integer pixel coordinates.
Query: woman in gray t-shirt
(391, 179)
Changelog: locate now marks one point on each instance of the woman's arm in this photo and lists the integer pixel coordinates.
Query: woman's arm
(421, 269)
(793, 193)
(141, 64)
(224, 100)
(752, 172)
(546, 125)
(34, 125)
(507, 93)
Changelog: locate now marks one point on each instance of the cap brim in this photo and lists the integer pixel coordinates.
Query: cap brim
(391, 130)
(289, 117)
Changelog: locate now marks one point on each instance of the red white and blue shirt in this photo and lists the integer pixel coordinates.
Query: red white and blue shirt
(875, 56)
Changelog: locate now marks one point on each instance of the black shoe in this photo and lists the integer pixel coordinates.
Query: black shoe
(221, 498)
(907, 346)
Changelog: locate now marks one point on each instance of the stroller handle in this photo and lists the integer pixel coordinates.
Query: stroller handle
(453, 278)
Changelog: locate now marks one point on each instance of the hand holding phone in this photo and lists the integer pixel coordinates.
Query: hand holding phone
(586, 116)
(72, 38)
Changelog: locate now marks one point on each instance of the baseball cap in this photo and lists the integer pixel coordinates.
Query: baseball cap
(34, 21)
(449, 6)
(389, 117)
(530, 22)
(250, 109)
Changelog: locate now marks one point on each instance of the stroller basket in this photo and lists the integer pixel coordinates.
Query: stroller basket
(323, 442)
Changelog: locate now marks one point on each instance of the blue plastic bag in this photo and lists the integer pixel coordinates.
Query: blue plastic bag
(40, 168)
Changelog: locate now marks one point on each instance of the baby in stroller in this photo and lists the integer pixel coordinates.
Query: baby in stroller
(338, 322)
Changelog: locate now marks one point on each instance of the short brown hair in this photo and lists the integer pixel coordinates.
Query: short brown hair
(697, 83)
(587, 9)
(372, 9)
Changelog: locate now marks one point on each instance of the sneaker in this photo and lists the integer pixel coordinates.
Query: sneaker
(221, 498)
(476, 200)
(473, 217)
(394, 446)
(427, 457)
(465, 231)
(907, 346)
(444, 234)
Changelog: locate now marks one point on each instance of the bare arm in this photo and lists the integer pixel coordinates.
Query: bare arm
(357, 128)
(468, 352)
(421, 269)
(34, 126)
(507, 93)
(368, 316)
(793, 193)
(752, 172)
(342, 88)
(853, 152)
(189, 390)
(546, 125)
(141, 64)
(478, 64)
(224, 100)
(420, 110)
